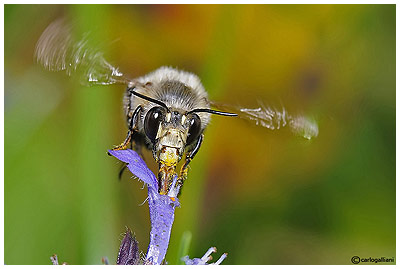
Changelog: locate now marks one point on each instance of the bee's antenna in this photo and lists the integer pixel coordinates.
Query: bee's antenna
(212, 111)
(131, 90)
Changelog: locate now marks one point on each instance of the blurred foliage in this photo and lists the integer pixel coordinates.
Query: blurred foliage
(265, 197)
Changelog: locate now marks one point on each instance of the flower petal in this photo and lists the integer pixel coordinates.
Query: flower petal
(162, 208)
(137, 166)
(205, 259)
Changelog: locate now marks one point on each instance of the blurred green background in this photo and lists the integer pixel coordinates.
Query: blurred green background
(265, 197)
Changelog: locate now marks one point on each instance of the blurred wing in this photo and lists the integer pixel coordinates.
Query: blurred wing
(272, 118)
(57, 50)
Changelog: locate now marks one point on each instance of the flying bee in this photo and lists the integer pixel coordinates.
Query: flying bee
(166, 111)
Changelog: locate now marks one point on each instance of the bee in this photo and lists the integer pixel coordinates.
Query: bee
(166, 111)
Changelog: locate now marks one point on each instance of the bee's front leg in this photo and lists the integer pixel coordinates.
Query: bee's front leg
(124, 145)
(132, 126)
(189, 157)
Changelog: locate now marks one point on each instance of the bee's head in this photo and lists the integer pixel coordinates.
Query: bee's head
(170, 131)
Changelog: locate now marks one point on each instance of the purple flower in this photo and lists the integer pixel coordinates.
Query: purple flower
(137, 166)
(162, 208)
(206, 258)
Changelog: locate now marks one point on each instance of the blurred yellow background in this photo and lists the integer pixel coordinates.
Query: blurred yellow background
(265, 197)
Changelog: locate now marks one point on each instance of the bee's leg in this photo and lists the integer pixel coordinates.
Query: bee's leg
(189, 157)
(132, 125)
(137, 143)
(129, 137)
(123, 166)
(121, 171)
(124, 145)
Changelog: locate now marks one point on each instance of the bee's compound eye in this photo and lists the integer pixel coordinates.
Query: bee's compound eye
(152, 122)
(194, 129)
